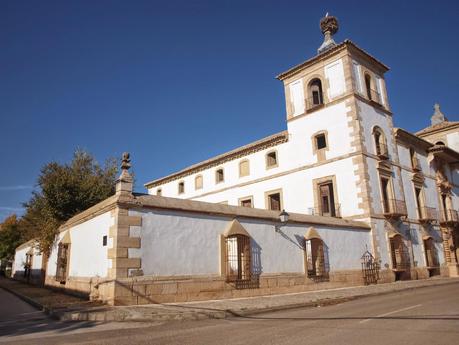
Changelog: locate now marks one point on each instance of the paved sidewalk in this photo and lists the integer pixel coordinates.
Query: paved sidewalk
(67, 307)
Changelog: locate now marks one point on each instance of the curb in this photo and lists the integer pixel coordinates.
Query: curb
(121, 315)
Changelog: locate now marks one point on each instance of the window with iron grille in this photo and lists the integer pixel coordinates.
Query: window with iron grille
(315, 258)
(399, 253)
(62, 260)
(431, 253)
(238, 259)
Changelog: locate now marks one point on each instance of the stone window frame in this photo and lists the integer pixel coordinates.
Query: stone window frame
(198, 186)
(320, 153)
(240, 200)
(386, 175)
(217, 178)
(422, 198)
(181, 187)
(281, 198)
(382, 135)
(315, 190)
(241, 172)
(267, 159)
(159, 192)
(67, 246)
(308, 93)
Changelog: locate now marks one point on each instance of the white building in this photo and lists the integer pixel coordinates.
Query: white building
(342, 157)
(367, 203)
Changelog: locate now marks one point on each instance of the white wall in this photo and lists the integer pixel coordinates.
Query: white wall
(88, 257)
(178, 243)
(19, 259)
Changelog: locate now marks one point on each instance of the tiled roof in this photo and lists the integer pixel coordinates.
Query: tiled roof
(438, 127)
(230, 155)
(327, 53)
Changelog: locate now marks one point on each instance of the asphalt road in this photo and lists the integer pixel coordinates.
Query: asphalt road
(422, 316)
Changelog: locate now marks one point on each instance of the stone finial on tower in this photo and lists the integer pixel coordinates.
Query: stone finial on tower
(437, 116)
(329, 27)
(124, 182)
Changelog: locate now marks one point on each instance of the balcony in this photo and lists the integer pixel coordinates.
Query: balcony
(374, 96)
(393, 208)
(427, 214)
(334, 211)
(381, 151)
(314, 103)
(449, 217)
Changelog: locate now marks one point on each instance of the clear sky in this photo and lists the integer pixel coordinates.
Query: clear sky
(176, 82)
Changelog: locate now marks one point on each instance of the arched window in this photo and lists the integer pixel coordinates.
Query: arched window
(440, 143)
(368, 84)
(414, 160)
(314, 248)
(181, 187)
(219, 175)
(431, 252)
(399, 253)
(380, 143)
(315, 95)
(238, 258)
(198, 182)
(244, 168)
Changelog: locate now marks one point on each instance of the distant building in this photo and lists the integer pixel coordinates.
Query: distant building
(365, 203)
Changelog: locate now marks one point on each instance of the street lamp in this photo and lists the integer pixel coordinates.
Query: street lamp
(283, 217)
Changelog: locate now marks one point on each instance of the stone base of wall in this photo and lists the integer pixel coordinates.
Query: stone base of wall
(453, 270)
(147, 290)
(82, 286)
(36, 277)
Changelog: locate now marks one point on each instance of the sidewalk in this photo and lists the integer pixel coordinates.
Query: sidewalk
(65, 307)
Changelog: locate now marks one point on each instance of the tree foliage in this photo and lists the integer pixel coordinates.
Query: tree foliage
(10, 237)
(65, 190)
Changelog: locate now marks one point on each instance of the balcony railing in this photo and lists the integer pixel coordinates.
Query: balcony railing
(381, 151)
(335, 211)
(374, 96)
(393, 208)
(314, 103)
(449, 217)
(427, 214)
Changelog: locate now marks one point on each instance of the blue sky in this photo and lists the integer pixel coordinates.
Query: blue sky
(176, 82)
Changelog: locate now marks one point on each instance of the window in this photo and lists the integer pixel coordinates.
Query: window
(380, 143)
(198, 182)
(368, 85)
(238, 258)
(431, 253)
(219, 176)
(321, 141)
(271, 159)
(327, 206)
(104, 241)
(440, 143)
(159, 192)
(62, 261)
(399, 254)
(246, 202)
(315, 95)
(274, 201)
(315, 257)
(385, 193)
(181, 187)
(418, 196)
(414, 160)
(244, 168)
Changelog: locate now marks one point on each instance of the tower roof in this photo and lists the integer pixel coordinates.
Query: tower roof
(338, 47)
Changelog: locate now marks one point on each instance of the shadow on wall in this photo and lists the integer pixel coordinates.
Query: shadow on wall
(257, 268)
(33, 276)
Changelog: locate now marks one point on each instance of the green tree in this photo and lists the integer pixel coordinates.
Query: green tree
(65, 190)
(10, 237)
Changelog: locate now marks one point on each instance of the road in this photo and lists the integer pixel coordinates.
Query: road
(422, 316)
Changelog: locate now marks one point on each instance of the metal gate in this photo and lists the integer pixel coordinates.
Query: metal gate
(370, 268)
